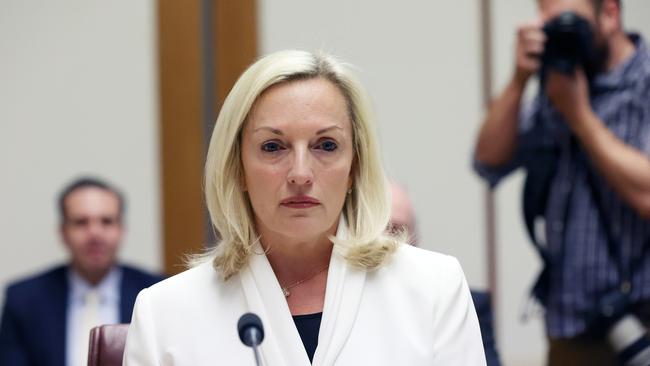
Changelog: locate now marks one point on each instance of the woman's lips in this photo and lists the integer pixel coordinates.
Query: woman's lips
(300, 202)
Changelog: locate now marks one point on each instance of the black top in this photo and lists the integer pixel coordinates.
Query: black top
(308, 326)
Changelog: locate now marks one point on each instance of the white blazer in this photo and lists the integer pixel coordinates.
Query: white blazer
(414, 310)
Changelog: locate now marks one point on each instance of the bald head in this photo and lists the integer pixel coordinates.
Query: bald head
(402, 217)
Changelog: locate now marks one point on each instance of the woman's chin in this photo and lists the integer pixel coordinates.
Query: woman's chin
(304, 228)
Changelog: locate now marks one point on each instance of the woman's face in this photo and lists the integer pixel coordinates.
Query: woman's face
(297, 154)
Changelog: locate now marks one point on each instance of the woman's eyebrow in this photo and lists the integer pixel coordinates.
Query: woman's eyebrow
(273, 130)
(326, 129)
(280, 133)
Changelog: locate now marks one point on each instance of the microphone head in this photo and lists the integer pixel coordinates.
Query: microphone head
(246, 323)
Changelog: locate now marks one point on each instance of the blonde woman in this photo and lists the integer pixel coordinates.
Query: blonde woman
(295, 187)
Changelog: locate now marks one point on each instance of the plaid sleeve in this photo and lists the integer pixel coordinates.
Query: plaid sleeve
(643, 120)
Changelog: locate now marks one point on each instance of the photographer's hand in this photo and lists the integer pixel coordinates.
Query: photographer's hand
(570, 96)
(528, 51)
(625, 168)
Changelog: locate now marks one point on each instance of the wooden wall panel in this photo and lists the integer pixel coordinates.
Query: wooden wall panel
(181, 137)
(183, 69)
(235, 28)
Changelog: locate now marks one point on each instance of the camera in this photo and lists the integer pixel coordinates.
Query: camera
(569, 43)
(613, 321)
(630, 341)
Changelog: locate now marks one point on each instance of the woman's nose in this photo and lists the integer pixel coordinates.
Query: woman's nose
(301, 172)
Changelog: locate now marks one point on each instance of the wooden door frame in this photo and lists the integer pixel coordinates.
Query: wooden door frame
(203, 46)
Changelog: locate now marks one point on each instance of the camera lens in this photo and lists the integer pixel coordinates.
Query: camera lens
(630, 340)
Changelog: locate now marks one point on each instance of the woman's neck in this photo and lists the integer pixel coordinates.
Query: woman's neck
(301, 270)
(294, 260)
(300, 266)
(292, 257)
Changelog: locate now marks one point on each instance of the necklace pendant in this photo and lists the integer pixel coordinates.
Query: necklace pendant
(286, 292)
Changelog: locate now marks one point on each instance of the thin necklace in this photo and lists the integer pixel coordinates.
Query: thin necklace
(285, 290)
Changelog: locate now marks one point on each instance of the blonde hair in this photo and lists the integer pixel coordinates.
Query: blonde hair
(366, 208)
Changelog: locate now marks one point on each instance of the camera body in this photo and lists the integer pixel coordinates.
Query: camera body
(569, 43)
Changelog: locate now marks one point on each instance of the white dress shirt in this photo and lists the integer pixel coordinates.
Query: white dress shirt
(108, 312)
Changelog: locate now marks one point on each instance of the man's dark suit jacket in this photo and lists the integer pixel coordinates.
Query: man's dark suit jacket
(33, 325)
(484, 311)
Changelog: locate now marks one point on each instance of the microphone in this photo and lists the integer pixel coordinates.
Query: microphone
(251, 333)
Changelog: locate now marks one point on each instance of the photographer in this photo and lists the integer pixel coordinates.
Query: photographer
(587, 133)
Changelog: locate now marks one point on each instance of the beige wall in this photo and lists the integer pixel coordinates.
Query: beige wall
(78, 95)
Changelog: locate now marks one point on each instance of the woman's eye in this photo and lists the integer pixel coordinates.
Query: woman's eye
(271, 146)
(328, 145)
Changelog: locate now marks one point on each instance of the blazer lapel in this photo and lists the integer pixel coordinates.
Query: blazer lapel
(128, 292)
(58, 307)
(342, 298)
(282, 344)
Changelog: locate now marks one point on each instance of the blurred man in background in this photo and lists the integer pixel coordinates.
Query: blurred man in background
(402, 215)
(47, 318)
(585, 142)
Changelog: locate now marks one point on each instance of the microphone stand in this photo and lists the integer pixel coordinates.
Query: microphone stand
(255, 335)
